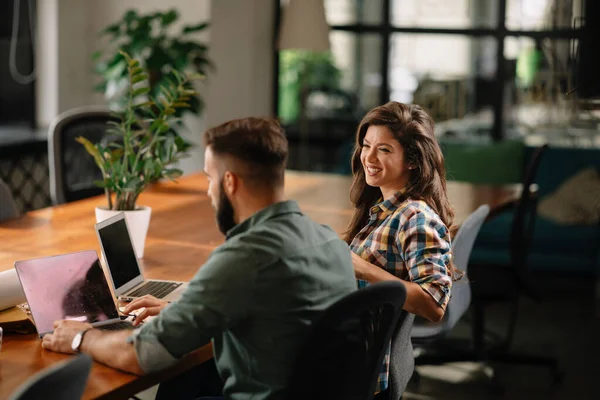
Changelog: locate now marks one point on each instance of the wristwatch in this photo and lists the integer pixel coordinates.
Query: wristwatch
(77, 340)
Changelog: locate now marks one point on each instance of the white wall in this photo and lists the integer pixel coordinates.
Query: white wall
(242, 48)
(46, 62)
(239, 39)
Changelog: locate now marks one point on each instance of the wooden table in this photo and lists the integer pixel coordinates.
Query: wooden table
(181, 236)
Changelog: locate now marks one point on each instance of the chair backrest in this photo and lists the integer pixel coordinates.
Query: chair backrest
(343, 354)
(522, 227)
(72, 169)
(461, 251)
(8, 208)
(62, 381)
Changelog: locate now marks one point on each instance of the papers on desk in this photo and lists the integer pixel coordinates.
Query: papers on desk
(11, 292)
(15, 320)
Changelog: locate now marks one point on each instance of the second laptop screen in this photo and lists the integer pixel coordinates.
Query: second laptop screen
(119, 253)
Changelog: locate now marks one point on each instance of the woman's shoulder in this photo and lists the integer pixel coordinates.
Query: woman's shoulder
(417, 210)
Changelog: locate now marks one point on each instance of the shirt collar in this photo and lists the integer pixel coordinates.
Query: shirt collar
(390, 204)
(272, 211)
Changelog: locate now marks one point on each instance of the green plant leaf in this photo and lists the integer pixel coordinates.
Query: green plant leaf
(138, 78)
(92, 150)
(169, 17)
(97, 55)
(111, 29)
(137, 70)
(130, 15)
(99, 183)
(195, 77)
(195, 28)
(172, 173)
(139, 91)
(149, 103)
(115, 71)
(163, 127)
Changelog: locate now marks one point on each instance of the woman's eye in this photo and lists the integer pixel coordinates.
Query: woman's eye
(385, 150)
(365, 146)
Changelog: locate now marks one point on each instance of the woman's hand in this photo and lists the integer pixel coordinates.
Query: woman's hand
(361, 266)
(151, 307)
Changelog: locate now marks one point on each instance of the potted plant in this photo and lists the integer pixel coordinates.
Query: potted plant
(142, 147)
(150, 39)
(300, 72)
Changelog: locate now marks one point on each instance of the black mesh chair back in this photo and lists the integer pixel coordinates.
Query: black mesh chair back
(522, 226)
(343, 355)
(62, 381)
(72, 169)
(8, 208)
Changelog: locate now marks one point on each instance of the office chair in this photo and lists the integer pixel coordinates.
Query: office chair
(72, 169)
(402, 358)
(8, 208)
(62, 381)
(507, 283)
(342, 356)
(425, 337)
(462, 244)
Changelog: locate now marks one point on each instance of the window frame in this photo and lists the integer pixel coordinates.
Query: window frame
(385, 30)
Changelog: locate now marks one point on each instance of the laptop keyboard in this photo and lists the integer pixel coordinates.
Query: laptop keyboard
(117, 326)
(155, 288)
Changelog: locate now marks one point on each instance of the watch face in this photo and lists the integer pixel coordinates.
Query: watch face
(76, 342)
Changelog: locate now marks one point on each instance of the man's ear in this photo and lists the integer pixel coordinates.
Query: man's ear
(231, 183)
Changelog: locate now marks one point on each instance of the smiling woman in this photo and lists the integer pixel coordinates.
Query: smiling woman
(399, 230)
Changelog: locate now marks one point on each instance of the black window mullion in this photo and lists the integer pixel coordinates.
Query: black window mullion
(384, 90)
(498, 102)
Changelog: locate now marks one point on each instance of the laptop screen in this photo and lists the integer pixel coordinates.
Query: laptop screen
(119, 252)
(70, 286)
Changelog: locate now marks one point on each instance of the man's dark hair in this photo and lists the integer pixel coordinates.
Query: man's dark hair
(257, 146)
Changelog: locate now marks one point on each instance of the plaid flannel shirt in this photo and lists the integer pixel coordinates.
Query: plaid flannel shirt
(408, 239)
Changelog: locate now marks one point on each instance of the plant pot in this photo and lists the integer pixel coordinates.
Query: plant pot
(137, 221)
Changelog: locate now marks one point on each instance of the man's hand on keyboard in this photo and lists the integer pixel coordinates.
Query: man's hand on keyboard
(148, 306)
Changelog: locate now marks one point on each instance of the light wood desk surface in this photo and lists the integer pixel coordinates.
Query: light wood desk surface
(182, 234)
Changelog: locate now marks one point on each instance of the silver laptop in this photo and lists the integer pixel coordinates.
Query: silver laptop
(124, 271)
(68, 286)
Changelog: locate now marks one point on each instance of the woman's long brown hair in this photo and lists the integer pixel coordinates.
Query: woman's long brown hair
(413, 128)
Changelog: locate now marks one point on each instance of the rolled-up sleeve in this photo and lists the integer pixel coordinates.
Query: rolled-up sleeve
(425, 243)
(215, 300)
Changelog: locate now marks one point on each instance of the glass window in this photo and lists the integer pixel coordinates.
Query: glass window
(349, 12)
(342, 83)
(458, 14)
(540, 76)
(538, 15)
(449, 75)
(359, 59)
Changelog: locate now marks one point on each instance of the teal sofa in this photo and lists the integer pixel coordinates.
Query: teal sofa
(572, 249)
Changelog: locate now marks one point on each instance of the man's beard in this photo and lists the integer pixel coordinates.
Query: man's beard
(225, 219)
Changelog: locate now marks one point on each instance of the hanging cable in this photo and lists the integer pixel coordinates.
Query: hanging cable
(12, 61)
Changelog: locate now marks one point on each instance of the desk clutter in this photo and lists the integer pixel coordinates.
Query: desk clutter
(16, 320)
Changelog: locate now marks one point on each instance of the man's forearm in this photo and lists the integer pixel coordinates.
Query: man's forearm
(112, 349)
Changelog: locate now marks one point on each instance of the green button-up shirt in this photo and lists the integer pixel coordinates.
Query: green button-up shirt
(256, 298)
